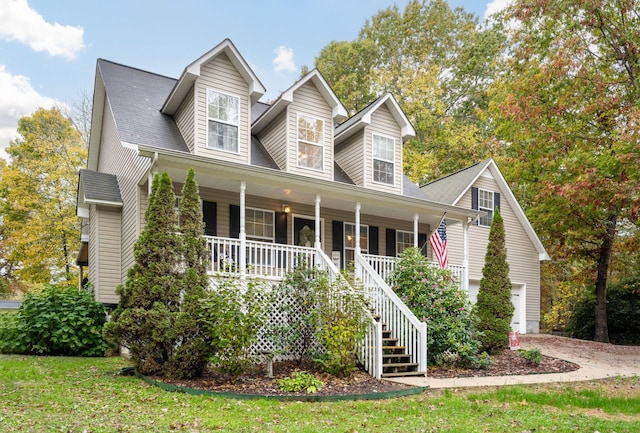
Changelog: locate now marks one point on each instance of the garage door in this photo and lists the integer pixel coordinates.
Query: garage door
(518, 321)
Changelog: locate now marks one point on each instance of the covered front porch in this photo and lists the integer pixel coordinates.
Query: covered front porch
(262, 223)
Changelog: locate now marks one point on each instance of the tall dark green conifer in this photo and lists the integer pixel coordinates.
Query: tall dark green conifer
(144, 320)
(193, 352)
(494, 308)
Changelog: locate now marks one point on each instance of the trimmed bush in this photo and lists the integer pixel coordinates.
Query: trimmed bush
(494, 308)
(56, 321)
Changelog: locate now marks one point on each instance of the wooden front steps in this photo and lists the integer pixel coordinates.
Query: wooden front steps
(395, 361)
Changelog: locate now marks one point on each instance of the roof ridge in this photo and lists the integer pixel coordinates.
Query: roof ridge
(456, 172)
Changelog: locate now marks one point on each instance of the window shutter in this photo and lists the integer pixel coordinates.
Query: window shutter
(391, 243)
(234, 221)
(496, 200)
(281, 227)
(373, 240)
(209, 217)
(474, 201)
(422, 243)
(337, 236)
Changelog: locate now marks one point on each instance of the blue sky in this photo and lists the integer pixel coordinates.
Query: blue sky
(48, 49)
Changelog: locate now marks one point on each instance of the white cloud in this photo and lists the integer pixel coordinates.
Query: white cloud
(284, 60)
(496, 6)
(21, 23)
(18, 99)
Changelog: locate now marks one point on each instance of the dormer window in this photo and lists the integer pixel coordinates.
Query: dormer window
(310, 142)
(383, 161)
(223, 121)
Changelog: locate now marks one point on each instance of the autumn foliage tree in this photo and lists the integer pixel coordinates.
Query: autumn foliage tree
(38, 195)
(568, 107)
(438, 63)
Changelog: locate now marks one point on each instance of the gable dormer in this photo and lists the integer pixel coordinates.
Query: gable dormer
(369, 145)
(297, 130)
(211, 103)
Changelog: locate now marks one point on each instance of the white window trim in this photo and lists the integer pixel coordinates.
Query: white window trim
(273, 225)
(484, 208)
(298, 141)
(209, 89)
(410, 233)
(373, 159)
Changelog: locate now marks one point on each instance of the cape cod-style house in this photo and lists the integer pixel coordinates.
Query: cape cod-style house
(293, 178)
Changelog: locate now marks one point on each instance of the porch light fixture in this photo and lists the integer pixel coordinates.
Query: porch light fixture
(286, 208)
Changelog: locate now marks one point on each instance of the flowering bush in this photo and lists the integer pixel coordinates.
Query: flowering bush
(434, 297)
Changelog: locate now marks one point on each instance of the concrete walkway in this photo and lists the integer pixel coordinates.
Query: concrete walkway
(596, 361)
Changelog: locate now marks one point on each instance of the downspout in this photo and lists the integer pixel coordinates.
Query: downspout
(154, 161)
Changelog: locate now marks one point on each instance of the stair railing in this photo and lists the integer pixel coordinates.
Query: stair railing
(411, 332)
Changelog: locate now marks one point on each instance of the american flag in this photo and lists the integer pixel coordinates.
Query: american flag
(438, 242)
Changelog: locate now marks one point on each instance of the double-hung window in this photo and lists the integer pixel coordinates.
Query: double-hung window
(310, 142)
(350, 241)
(223, 120)
(259, 224)
(383, 161)
(485, 203)
(404, 240)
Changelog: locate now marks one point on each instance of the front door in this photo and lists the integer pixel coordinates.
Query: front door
(304, 233)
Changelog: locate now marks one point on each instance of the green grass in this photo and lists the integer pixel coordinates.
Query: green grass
(48, 394)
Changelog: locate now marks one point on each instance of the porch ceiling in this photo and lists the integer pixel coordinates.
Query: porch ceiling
(289, 188)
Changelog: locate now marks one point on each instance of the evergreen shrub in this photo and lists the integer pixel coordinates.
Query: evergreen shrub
(434, 297)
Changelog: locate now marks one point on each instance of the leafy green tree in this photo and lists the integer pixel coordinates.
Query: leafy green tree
(567, 106)
(38, 186)
(193, 351)
(438, 63)
(494, 308)
(144, 321)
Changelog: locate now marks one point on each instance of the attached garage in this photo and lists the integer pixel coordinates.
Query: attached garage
(518, 299)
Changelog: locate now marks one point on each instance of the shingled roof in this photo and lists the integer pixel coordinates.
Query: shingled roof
(99, 188)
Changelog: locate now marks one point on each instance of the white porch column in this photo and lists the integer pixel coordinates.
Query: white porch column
(316, 242)
(465, 254)
(242, 254)
(357, 234)
(415, 230)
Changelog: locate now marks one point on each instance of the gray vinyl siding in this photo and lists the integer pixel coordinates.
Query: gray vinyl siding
(274, 139)
(523, 258)
(129, 168)
(383, 123)
(105, 252)
(185, 119)
(351, 157)
(220, 75)
(307, 100)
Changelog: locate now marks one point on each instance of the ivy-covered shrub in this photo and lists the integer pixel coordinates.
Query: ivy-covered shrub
(623, 313)
(231, 316)
(55, 321)
(434, 297)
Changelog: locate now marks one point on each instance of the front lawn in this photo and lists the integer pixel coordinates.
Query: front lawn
(58, 394)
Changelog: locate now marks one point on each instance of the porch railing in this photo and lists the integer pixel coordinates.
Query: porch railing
(263, 259)
(384, 266)
(411, 332)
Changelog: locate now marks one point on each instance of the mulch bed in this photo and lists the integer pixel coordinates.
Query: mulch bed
(508, 363)
(256, 383)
